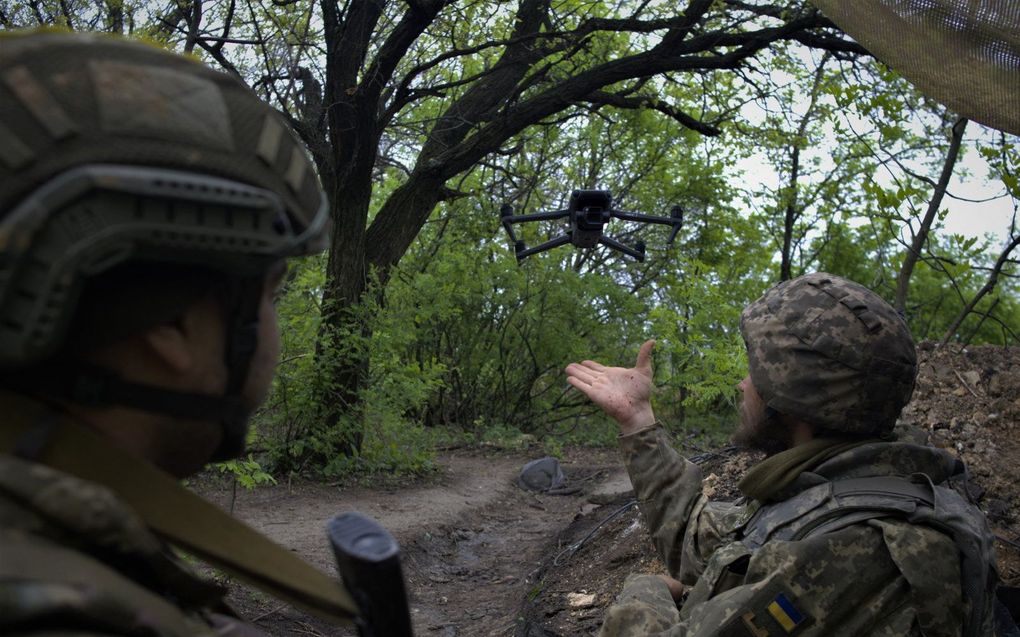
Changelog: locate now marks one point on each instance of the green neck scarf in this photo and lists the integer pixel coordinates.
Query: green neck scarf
(773, 474)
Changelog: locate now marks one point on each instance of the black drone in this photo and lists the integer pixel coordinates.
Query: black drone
(588, 211)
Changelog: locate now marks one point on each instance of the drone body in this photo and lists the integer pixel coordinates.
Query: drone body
(588, 212)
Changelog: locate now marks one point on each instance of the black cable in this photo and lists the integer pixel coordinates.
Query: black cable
(573, 548)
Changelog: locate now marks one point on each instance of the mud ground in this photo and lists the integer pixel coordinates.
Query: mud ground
(473, 543)
(482, 557)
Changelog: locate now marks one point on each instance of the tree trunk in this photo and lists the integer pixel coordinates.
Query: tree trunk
(342, 349)
(792, 212)
(921, 236)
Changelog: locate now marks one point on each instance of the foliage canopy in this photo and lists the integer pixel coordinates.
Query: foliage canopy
(790, 149)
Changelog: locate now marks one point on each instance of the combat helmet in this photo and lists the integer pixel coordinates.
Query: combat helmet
(114, 152)
(830, 352)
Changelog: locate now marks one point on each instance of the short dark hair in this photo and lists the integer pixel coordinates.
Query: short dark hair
(131, 298)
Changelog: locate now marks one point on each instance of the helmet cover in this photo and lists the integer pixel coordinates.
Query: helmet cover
(112, 151)
(830, 352)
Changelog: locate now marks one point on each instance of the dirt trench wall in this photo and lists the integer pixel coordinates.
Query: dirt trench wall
(967, 400)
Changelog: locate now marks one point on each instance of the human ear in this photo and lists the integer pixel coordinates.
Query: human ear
(169, 343)
(182, 345)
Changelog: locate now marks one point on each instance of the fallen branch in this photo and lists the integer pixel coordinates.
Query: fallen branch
(964, 383)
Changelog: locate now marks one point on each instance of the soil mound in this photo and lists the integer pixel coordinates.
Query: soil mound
(966, 400)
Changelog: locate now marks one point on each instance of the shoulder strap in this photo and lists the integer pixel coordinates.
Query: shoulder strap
(180, 517)
(861, 499)
(832, 506)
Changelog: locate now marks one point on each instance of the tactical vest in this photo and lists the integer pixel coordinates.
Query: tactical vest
(831, 506)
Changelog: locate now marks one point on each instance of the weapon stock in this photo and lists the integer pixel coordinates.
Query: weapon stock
(368, 559)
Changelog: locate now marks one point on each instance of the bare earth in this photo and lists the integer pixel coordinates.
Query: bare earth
(473, 542)
(482, 557)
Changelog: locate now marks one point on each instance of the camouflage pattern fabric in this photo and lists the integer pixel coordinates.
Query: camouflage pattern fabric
(120, 511)
(643, 608)
(830, 352)
(881, 577)
(75, 559)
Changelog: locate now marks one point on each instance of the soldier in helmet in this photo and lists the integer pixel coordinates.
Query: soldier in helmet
(841, 530)
(147, 206)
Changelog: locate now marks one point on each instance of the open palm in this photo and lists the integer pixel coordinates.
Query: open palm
(623, 393)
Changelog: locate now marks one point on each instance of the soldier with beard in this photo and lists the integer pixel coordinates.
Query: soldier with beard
(842, 530)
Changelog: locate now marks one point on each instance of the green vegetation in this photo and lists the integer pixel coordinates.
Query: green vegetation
(467, 347)
(419, 330)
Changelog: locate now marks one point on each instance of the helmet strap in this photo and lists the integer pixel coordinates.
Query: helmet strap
(241, 337)
(93, 386)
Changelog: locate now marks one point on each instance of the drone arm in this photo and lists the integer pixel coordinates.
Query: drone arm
(538, 216)
(542, 247)
(509, 229)
(673, 233)
(629, 251)
(675, 219)
(643, 218)
(508, 218)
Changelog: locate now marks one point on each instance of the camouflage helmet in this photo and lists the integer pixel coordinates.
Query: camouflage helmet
(830, 352)
(113, 151)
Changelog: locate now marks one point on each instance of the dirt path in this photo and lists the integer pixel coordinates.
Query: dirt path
(472, 541)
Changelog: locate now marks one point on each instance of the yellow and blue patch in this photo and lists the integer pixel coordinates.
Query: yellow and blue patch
(785, 613)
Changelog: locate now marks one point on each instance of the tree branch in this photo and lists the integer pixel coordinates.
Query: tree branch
(194, 23)
(989, 285)
(645, 64)
(646, 101)
(921, 236)
(694, 12)
(347, 42)
(411, 26)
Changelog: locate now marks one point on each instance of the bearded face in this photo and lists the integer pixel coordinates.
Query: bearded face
(760, 428)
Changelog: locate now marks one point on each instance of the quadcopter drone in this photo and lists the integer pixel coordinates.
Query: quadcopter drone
(588, 211)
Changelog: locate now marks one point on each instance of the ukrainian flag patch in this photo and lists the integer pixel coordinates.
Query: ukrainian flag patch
(785, 613)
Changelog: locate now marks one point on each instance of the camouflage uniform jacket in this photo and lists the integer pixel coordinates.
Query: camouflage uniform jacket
(85, 537)
(76, 559)
(879, 577)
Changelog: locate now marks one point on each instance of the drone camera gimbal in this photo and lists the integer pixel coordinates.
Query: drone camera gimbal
(588, 212)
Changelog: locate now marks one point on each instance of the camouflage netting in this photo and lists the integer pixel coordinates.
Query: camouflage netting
(964, 53)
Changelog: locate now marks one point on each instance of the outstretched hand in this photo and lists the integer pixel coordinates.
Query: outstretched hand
(625, 394)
